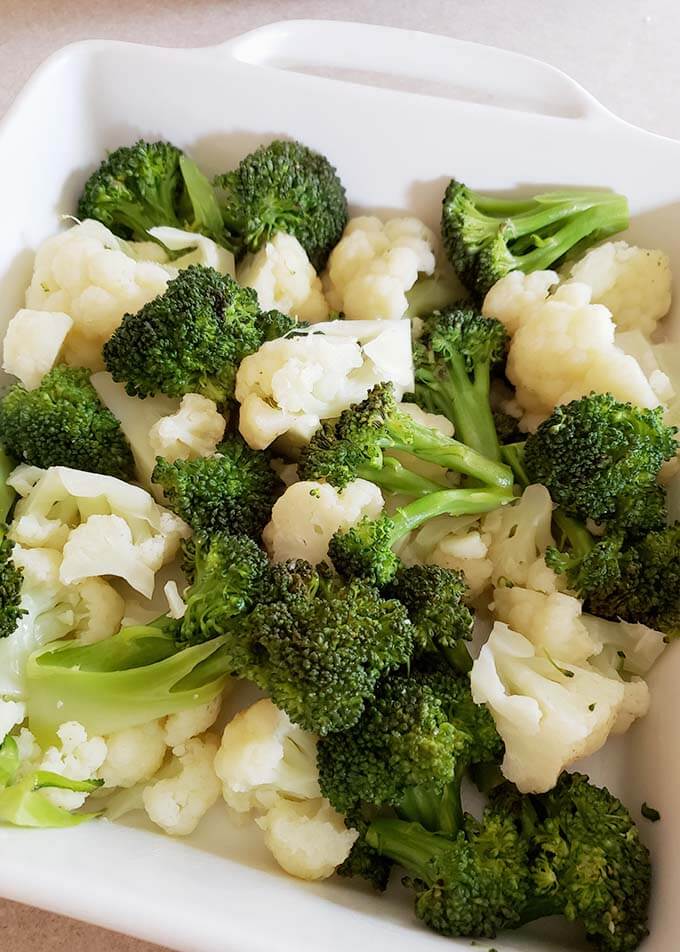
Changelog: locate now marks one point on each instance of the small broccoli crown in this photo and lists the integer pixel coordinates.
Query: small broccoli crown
(507, 427)
(11, 578)
(191, 339)
(318, 645)
(600, 458)
(228, 574)
(275, 324)
(434, 598)
(136, 188)
(285, 186)
(461, 331)
(232, 491)
(365, 551)
(335, 460)
(487, 237)
(64, 423)
(590, 862)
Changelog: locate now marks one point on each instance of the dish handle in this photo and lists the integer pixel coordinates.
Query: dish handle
(411, 61)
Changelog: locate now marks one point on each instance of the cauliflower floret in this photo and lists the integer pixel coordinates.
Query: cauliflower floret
(122, 531)
(176, 604)
(99, 612)
(309, 839)
(86, 273)
(647, 355)
(511, 298)
(325, 509)
(468, 553)
(264, 755)
(182, 726)
(77, 758)
(551, 621)
(193, 431)
(564, 348)
(375, 263)
(33, 343)
(281, 274)
(202, 250)
(634, 283)
(289, 385)
(133, 755)
(12, 713)
(548, 712)
(519, 536)
(177, 804)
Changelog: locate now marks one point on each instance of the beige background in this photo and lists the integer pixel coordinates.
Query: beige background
(623, 51)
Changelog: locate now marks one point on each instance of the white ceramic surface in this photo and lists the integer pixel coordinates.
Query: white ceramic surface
(495, 119)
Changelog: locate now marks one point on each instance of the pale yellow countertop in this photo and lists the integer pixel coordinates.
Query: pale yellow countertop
(623, 51)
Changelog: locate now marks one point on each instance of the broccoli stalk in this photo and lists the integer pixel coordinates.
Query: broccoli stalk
(64, 423)
(365, 550)
(453, 363)
(356, 442)
(486, 237)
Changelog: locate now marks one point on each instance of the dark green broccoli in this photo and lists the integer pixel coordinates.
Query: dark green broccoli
(507, 428)
(365, 550)
(64, 423)
(363, 860)
(150, 184)
(434, 598)
(284, 186)
(11, 576)
(228, 574)
(191, 339)
(318, 646)
(232, 491)
(485, 237)
(411, 748)
(453, 363)
(600, 458)
(474, 883)
(354, 445)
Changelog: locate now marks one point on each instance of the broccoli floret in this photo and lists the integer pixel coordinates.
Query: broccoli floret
(411, 748)
(453, 363)
(365, 550)
(232, 491)
(587, 861)
(485, 237)
(434, 598)
(472, 884)
(363, 860)
(318, 645)
(284, 186)
(507, 428)
(228, 574)
(64, 423)
(11, 579)
(151, 184)
(191, 339)
(355, 444)
(600, 458)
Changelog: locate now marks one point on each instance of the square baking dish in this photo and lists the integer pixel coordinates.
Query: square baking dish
(399, 113)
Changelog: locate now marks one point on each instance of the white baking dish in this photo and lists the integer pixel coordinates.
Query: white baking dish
(399, 113)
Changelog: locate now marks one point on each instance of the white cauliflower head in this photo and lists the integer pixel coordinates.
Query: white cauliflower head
(308, 839)
(12, 713)
(78, 757)
(563, 348)
(281, 274)
(633, 283)
(178, 803)
(133, 755)
(182, 726)
(326, 509)
(289, 385)
(264, 755)
(99, 611)
(511, 298)
(375, 263)
(33, 343)
(192, 431)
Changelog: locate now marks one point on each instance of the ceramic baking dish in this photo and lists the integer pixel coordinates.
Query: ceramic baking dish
(398, 113)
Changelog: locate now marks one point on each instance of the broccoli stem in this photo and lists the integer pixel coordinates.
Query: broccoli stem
(447, 502)
(438, 810)
(470, 409)
(432, 446)
(408, 844)
(395, 478)
(575, 533)
(513, 454)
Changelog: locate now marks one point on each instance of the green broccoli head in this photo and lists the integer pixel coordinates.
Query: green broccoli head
(486, 237)
(435, 600)
(11, 579)
(507, 428)
(64, 423)
(587, 862)
(232, 491)
(600, 459)
(318, 645)
(472, 884)
(191, 339)
(284, 186)
(228, 574)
